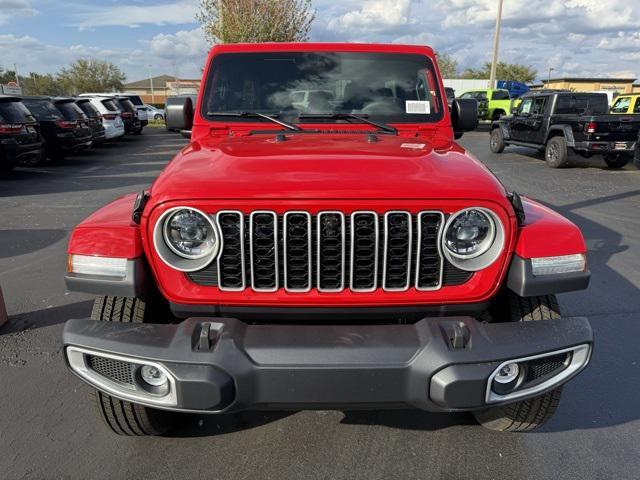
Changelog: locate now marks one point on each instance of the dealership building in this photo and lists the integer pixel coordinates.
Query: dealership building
(157, 89)
(613, 85)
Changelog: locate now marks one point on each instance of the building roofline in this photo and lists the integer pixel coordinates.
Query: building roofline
(589, 79)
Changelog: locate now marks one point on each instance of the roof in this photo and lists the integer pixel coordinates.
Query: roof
(590, 79)
(158, 82)
(320, 47)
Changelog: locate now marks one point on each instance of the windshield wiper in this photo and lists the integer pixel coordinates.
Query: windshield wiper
(343, 115)
(273, 118)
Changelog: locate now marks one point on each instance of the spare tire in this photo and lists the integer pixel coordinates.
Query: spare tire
(179, 112)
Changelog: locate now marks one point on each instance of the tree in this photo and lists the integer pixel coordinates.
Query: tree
(448, 65)
(504, 71)
(42, 84)
(91, 75)
(242, 21)
(7, 76)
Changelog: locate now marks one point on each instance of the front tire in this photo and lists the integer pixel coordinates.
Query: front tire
(616, 160)
(556, 153)
(525, 415)
(496, 141)
(121, 417)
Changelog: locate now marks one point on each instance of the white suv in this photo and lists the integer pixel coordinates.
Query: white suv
(113, 124)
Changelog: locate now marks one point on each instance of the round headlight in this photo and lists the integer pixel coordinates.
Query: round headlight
(470, 234)
(189, 234)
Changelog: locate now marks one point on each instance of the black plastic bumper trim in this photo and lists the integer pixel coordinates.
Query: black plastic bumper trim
(521, 280)
(309, 366)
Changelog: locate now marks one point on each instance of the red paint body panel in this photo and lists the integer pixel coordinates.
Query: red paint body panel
(547, 233)
(226, 168)
(109, 232)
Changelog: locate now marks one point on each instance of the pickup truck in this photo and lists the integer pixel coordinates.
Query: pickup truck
(561, 122)
(346, 255)
(492, 103)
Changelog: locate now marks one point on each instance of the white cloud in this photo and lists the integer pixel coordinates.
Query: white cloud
(11, 8)
(374, 15)
(621, 41)
(177, 13)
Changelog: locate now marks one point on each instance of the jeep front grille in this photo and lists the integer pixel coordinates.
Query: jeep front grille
(330, 251)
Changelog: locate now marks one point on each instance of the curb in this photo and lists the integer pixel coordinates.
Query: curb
(3, 310)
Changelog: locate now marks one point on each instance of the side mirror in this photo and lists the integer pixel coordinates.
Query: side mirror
(464, 116)
(179, 113)
(514, 110)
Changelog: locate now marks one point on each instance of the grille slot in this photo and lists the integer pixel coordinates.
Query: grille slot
(114, 370)
(365, 234)
(263, 232)
(231, 266)
(297, 245)
(429, 259)
(330, 251)
(542, 367)
(397, 251)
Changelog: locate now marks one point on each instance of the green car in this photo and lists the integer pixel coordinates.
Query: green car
(492, 103)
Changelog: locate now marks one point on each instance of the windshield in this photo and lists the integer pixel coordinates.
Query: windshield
(386, 87)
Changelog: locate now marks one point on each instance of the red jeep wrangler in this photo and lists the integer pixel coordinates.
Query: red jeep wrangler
(323, 243)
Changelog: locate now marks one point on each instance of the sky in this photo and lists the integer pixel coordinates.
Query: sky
(154, 37)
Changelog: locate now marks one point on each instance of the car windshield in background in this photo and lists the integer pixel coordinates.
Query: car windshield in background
(576, 104)
(500, 95)
(15, 112)
(43, 109)
(384, 87)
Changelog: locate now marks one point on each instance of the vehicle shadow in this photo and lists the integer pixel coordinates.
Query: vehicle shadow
(20, 242)
(46, 317)
(192, 425)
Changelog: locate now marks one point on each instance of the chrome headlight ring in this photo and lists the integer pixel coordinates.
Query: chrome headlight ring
(170, 255)
(487, 254)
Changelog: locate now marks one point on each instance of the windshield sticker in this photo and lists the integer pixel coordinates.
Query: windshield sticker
(418, 106)
(413, 145)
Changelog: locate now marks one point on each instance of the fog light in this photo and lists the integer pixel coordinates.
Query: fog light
(506, 380)
(153, 376)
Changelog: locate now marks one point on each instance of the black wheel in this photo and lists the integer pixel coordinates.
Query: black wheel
(556, 153)
(496, 141)
(126, 418)
(158, 116)
(525, 415)
(616, 160)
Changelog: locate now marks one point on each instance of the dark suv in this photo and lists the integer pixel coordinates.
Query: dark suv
(129, 114)
(20, 140)
(95, 120)
(63, 125)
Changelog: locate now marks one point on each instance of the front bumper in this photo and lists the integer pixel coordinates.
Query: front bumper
(218, 365)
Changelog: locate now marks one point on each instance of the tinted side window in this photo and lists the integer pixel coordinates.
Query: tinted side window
(500, 95)
(135, 99)
(15, 112)
(110, 105)
(636, 108)
(526, 106)
(621, 105)
(578, 104)
(538, 106)
(88, 109)
(70, 110)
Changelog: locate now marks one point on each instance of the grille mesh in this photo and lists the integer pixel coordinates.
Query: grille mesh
(115, 370)
(332, 251)
(542, 367)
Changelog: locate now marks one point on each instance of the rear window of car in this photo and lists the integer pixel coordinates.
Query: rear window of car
(15, 112)
(577, 104)
(70, 110)
(43, 109)
(110, 105)
(500, 95)
(136, 100)
(126, 104)
(88, 109)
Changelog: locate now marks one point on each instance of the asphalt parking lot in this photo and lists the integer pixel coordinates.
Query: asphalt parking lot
(48, 428)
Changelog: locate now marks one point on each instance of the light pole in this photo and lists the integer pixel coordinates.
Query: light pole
(551, 69)
(153, 97)
(496, 44)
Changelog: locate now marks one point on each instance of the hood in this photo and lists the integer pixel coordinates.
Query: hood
(325, 166)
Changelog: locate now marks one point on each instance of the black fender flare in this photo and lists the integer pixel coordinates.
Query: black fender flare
(567, 132)
(506, 133)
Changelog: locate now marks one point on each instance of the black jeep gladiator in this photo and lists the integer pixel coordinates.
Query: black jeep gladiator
(563, 121)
